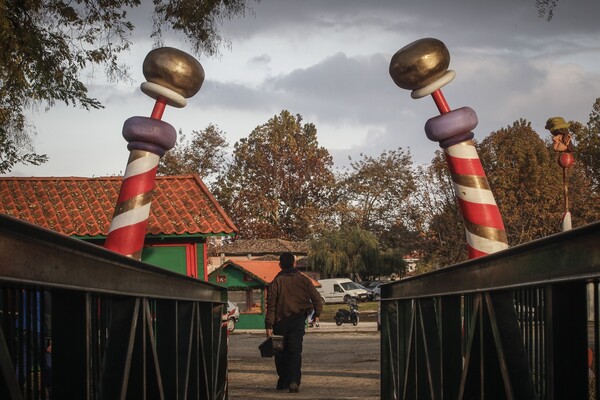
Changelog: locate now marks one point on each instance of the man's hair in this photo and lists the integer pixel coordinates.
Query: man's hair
(286, 260)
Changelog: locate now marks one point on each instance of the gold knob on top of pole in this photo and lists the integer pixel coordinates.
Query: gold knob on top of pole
(419, 63)
(174, 69)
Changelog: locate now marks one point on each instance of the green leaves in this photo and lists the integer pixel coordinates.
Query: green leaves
(46, 44)
(352, 251)
(202, 154)
(278, 182)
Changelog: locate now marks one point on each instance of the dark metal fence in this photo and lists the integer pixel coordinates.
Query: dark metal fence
(519, 324)
(80, 322)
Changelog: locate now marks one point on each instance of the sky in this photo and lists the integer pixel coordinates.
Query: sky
(328, 61)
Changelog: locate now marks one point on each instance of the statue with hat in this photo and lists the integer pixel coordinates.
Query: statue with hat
(561, 137)
(561, 143)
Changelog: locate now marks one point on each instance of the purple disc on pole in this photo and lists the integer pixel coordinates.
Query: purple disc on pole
(150, 130)
(463, 137)
(146, 146)
(450, 124)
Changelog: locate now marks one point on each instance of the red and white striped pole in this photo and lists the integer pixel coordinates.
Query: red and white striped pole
(172, 76)
(422, 67)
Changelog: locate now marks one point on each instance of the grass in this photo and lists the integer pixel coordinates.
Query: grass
(368, 311)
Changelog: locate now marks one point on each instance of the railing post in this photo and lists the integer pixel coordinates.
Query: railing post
(71, 350)
(566, 321)
(451, 362)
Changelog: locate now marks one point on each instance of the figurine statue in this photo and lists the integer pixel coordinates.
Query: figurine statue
(561, 137)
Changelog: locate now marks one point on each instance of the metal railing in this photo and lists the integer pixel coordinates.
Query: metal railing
(80, 322)
(518, 324)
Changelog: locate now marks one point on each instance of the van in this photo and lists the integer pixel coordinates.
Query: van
(341, 290)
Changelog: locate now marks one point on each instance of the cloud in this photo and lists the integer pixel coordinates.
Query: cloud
(262, 60)
(328, 61)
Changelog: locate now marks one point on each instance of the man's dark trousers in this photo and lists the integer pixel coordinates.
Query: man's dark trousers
(288, 362)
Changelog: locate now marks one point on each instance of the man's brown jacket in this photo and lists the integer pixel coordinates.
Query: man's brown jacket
(291, 294)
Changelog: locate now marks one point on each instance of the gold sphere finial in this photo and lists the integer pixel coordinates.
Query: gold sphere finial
(175, 70)
(419, 63)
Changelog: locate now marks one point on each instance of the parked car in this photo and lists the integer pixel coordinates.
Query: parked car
(372, 284)
(370, 295)
(340, 290)
(377, 289)
(232, 316)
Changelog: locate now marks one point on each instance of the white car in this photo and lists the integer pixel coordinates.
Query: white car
(232, 316)
(341, 290)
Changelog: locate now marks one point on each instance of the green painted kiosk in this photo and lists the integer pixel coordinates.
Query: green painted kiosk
(246, 282)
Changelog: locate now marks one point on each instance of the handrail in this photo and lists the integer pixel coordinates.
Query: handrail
(520, 323)
(80, 321)
(566, 256)
(98, 270)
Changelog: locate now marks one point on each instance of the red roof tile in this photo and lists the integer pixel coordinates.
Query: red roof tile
(84, 206)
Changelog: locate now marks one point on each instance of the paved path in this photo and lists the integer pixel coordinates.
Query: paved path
(338, 363)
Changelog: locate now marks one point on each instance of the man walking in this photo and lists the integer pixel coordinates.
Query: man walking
(290, 298)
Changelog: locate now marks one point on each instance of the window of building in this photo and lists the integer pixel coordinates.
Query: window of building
(249, 300)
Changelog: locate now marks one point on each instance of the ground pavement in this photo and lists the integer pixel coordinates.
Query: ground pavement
(339, 362)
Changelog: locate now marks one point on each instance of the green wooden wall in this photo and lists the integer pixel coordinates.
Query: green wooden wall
(172, 258)
(236, 281)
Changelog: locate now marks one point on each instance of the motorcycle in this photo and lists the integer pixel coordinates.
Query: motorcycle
(343, 316)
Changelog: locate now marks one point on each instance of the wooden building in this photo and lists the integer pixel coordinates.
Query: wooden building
(246, 282)
(254, 249)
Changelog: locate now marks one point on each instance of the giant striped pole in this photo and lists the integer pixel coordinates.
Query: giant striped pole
(172, 76)
(422, 66)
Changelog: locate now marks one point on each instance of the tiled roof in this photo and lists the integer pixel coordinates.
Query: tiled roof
(84, 206)
(263, 271)
(262, 246)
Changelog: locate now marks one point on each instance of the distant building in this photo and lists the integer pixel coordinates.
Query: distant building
(246, 282)
(254, 249)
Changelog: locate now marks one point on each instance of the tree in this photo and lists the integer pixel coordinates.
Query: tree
(375, 193)
(527, 184)
(442, 239)
(523, 176)
(526, 181)
(203, 154)
(45, 45)
(587, 145)
(16, 148)
(546, 8)
(279, 180)
(354, 252)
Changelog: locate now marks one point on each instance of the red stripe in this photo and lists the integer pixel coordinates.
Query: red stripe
(474, 253)
(487, 215)
(465, 166)
(137, 184)
(159, 108)
(128, 239)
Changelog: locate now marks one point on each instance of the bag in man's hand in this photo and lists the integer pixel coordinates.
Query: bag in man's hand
(271, 345)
